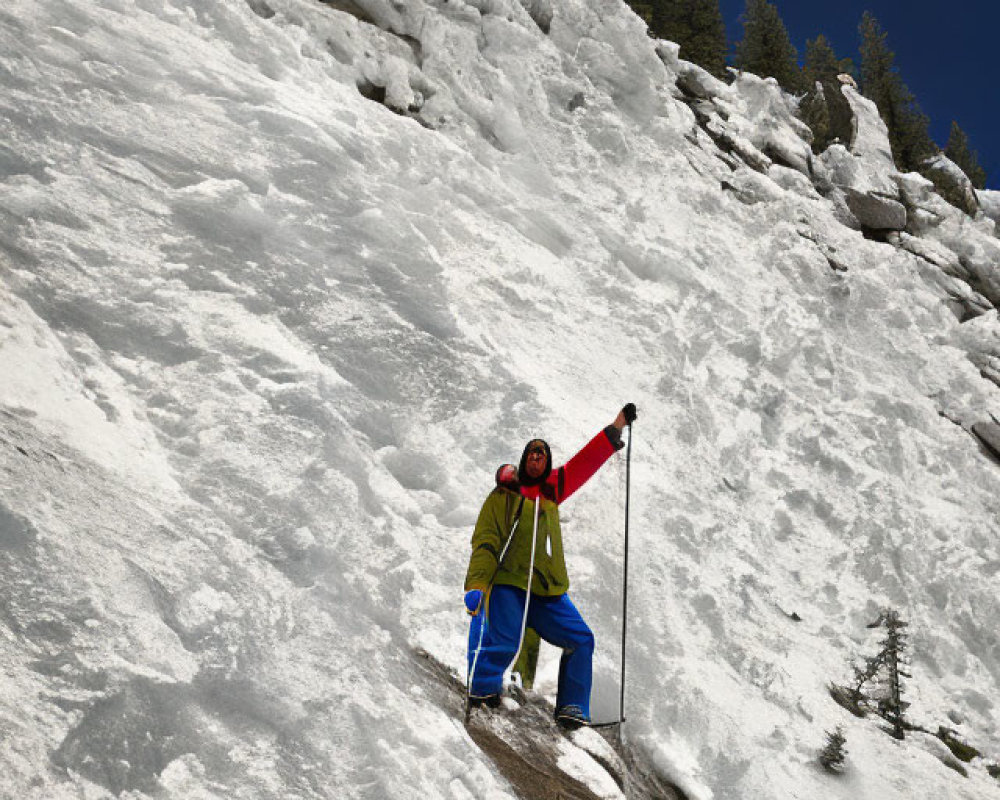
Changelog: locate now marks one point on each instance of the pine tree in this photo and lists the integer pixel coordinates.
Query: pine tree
(820, 62)
(894, 656)
(880, 81)
(833, 753)
(815, 111)
(913, 138)
(876, 61)
(886, 671)
(708, 36)
(958, 151)
(825, 109)
(697, 26)
(766, 49)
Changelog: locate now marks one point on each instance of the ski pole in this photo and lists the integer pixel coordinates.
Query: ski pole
(482, 610)
(628, 475)
(472, 669)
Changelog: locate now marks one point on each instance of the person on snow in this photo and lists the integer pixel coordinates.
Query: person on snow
(496, 583)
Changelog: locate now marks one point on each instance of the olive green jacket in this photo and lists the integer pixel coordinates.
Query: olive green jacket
(492, 528)
(496, 519)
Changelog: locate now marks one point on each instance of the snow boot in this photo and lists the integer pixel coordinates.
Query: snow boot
(571, 717)
(489, 700)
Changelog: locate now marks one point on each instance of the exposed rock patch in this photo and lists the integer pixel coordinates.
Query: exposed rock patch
(951, 183)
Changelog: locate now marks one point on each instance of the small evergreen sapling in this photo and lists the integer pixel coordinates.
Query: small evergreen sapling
(833, 753)
(894, 656)
(883, 673)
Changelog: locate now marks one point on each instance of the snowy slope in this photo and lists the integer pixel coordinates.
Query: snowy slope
(282, 284)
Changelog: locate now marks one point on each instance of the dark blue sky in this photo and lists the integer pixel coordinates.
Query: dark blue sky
(944, 53)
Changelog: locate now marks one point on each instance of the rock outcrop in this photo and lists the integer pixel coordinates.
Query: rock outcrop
(951, 183)
(863, 173)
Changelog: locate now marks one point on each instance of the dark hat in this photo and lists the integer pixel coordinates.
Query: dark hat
(522, 474)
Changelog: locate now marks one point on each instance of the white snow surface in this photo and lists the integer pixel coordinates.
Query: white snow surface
(263, 343)
(989, 202)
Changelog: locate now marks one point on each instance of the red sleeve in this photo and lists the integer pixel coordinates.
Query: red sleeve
(579, 469)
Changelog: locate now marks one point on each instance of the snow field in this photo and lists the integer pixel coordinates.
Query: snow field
(265, 343)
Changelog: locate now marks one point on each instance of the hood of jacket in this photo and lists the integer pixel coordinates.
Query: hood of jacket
(522, 472)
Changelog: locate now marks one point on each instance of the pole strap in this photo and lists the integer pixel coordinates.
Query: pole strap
(486, 594)
(531, 574)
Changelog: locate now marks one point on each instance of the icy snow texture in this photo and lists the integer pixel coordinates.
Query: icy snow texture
(264, 340)
(989, 202)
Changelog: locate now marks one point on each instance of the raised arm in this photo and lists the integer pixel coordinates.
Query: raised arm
(579, 469)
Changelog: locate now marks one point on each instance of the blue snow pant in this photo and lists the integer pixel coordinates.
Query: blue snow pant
(555, 619)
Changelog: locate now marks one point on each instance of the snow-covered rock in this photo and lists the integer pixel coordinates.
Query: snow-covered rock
(951, 183)
(980, 338)
(750, 186)
(848, 80)
(731, 142)
(768, 119)
(927, 209)
(669, 53)
(929, 250)
(974, 251)
(876, 211)
(752, 118)
(860, 189)
(870, 140)
(989, 203)
(865, 172)
(696, 81)
(981, 257)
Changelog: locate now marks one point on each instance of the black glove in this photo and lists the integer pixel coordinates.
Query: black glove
(629, 412)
